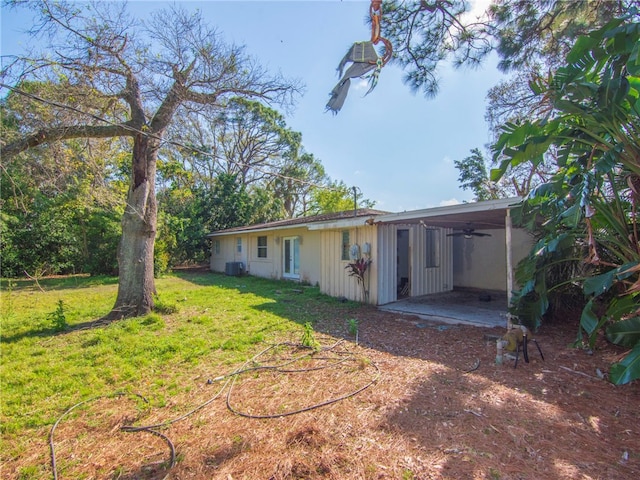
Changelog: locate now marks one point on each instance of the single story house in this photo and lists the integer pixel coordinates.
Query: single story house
(412, 253)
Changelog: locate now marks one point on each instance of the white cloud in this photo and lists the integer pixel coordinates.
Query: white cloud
(359, 84)
(452, 201)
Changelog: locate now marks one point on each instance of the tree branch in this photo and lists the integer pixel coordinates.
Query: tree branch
(48, 135)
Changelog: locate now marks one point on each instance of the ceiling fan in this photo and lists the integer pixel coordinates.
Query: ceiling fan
(468, 232)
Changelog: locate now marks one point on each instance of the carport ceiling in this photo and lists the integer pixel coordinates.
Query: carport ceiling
(479, 220)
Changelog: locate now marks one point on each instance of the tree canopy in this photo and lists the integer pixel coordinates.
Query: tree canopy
(529, 37)
(116, 77)
(223, 156)
(427, 33)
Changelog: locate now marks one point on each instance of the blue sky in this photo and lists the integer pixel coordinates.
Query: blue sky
(396, 147)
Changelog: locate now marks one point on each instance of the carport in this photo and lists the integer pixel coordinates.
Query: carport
(453, 264)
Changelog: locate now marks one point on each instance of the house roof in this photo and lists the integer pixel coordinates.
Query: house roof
(302, 221)
(485, 215)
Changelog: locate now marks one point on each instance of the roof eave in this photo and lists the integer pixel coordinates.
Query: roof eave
(348, 222)
(261, 229)
(487, 205)
(345, 223)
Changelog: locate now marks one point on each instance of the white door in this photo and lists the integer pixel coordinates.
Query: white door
(291, 257)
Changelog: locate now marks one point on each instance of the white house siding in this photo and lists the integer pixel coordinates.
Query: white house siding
(480, 262)
(436, 279)
(335, 280)
(264, 267)
(310, 256)
(228, 252)
(423, 280)
(387, 264)
(217, 260)
(272, 265)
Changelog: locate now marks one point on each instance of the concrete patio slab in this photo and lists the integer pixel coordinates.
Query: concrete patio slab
(460, 306)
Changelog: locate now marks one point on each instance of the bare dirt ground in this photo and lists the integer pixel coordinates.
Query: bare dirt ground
(426, 416)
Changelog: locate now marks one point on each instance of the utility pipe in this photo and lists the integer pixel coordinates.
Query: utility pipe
(509, 258)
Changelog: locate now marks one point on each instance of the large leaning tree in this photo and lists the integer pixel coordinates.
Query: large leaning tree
(115, 76)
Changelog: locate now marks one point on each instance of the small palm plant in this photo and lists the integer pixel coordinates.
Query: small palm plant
(308, 338)
(357, 269)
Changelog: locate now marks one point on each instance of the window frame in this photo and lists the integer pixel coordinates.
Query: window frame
(432, 248)
(345, 237)
(262, 250)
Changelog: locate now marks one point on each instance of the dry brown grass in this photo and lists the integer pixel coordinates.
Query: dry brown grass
(425, 418)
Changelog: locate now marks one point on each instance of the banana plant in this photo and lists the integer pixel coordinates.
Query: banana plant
(589, 208)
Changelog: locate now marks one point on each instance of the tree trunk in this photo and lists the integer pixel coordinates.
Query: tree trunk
(136, 284)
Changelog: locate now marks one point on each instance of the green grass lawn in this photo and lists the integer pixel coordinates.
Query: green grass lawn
(52, 358)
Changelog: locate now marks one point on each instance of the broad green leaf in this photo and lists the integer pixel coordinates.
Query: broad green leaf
(628, 369)
(622, 306)
(572, 216)
(625, 332)
(519, 134)
(537, 87)
(633, 64)
(634, 92)
(537, 147)
(599, 284)
(588, 319)
(627, 270)
(497, 173)
(569, 107)
(583, 43)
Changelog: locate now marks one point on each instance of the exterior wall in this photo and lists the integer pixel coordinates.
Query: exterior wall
(387, 264)
(273, 265)
(480, 262)
(311, 257)
(422, 279)
(432, 279)
(264, 267)
(270, 266)
(335, 280)
(228, 252)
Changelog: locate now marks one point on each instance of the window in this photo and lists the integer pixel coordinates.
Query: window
(345, 244)
(432, 251)
(239, 244)
(262, 246)
(216, 247)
